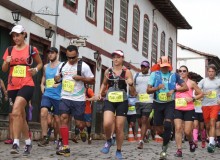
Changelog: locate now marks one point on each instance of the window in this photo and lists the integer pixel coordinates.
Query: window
(109, 16)
(71, 5)
(154, 46)
(170, 50)
(91, 11)
(162, 44)
(123, 20)
(145, 36)
(136, 23)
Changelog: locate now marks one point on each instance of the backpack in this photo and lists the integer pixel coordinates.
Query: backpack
(171, 82)
(135, 78)
(31, 51)
(79, 67)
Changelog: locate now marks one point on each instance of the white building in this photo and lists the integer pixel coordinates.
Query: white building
(196, 61)
(143, 29)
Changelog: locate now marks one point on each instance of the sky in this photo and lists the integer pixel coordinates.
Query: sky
(204, 17)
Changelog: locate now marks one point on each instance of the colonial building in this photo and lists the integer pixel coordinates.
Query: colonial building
(143, 29)
(195, 60)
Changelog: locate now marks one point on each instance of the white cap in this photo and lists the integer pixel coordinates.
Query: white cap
(17, 29)
(118, 52)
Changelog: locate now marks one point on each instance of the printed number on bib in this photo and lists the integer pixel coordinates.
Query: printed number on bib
(212, 95)
(144, 97)
(198, 103)
(131, 108)
(68, 85)
(163, 97)
(19, 71)
(50, 83)
(180, 102)
(115, 96)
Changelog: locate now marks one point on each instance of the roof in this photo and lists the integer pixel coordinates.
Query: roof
(167, 8)
(195, 51)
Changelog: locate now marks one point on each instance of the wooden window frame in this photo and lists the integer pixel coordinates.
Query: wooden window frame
(136, 47)
(152, 62)
(107, 30)
(145, 54)
(126, 20)
(72, 9)
(162, 50)
(170, 50)
(89, 19)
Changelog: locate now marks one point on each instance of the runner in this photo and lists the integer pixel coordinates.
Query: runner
(74, 73)
(145, 101)
(210, 108)
(184, 111)
(163, 83)
(18, 60)
(51, 96)
(117, 79)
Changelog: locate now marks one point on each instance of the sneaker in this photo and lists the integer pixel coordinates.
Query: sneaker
(192, 146)
(27, 150)
(89, 140)
(211, 148)
(113, 141)
(8, 141)
(44, 142)
(118, 155)
(59, 144)
(163, 153)
(203, 144)
(141, 145)
(106, 147)
(15, 149)
(83, 136)
(178, 153)
(64, 151)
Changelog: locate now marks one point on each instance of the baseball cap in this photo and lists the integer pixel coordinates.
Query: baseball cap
(164, 62)
(17, 29)
(53, 49)
(118, 52)
(145, 64)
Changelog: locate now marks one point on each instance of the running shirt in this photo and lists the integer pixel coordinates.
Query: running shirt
(50, 91)
(181, 103)
(18, 73)
(141, 88)
(197, 104)
(89, 94)
(71, 89)
(212, 86)
(165, 79)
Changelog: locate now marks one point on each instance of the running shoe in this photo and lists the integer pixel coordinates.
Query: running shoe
(106, 147)
(192, 146)
(15, 149)
(163, 154)
(83, 136)
(211, 148)
(44, 142)
(203, 144)
(64, 151)
(141, 145)
(178, 153)
(8, 141)
(27, 150)
(118, 155)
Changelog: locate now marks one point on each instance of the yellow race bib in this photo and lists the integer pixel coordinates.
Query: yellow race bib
(163, 97)
(212, 95)
(198, 103)
(115, 96)
(19, 71)
(180, 102)
(131, 108)
(68, 85)
(144, 97)
(50, 83)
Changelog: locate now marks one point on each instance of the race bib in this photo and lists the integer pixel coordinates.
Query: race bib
(50, 83)
(163, 97)
(144, 97)
(68, 85)
(131, 108)
(212, 95)
(19, 71)
(198, 103)
(180, 102)
(115, 96)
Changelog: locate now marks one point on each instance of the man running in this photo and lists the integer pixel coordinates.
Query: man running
(163, 84)
(145, 101)
(51, 95)
(74, 73)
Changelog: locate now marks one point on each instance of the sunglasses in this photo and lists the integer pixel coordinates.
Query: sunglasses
(51, 52)
(72, 57)
(184, 71)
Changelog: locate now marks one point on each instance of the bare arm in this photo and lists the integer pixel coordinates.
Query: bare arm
(104, 85)
(4, 90)
(130, 82)
(38, 60)
(43, 80)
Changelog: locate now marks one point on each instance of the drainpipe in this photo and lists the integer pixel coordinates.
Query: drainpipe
(56, 19)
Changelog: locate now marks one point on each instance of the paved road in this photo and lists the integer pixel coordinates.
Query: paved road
(83, 151)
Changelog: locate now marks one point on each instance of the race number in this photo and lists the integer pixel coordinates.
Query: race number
(19, 71)
(50, 83)
(180, 102)
(115, 97)
(68, 85)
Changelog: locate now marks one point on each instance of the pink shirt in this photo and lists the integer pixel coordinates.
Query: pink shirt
(189, 106)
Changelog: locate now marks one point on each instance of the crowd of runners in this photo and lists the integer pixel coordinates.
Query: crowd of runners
(169, 104)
